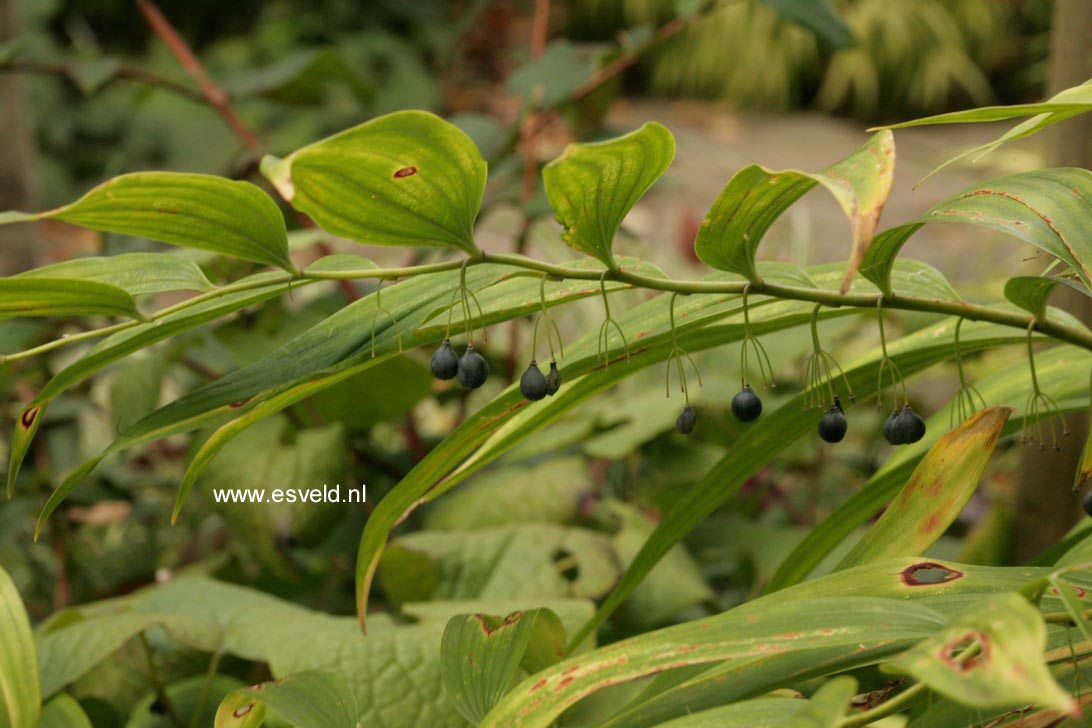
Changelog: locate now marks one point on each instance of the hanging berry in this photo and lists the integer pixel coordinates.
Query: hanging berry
(687, 418)
(903, 426)
(746, 405)
(553, 380)
(833, 425)
(444, 362)
(889, 428)
(473, 368)
(908, 427)
(533, 384)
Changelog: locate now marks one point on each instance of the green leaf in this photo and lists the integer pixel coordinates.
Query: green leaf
(592, 187)
(1032, 292)
(123, 343)
(63, 297)
(991, 657)
(481, 654)
(64, 712)
(192, 210)
(20, 696)
(1061, 372)
(550, 79)
(407, 178)
(936, 493)
(340, 264)
(825, 709)
(1048, 208)
(1062, 106)
(138, 274)
(67, 653)
(194, 699)
(1071, 598)
(755, 197)
(776, 628)
(818, 17)
(309, 699)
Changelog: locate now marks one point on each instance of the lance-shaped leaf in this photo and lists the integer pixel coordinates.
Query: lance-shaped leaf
(137, 273)
(62, 297)
(192, 210)
(1032, 292)
(755, 197)
(825, 709)
(64, 712)
(480, 655)
(936, 493)
(991, 657)
(1065, 104)
(20, 695)
(308, 699)
(592, 187)
(1049, 208)
(407, 178)
(777, 628)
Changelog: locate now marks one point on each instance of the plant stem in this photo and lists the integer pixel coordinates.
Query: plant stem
(884, 709)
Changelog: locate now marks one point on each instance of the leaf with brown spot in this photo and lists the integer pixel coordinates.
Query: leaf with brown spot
(732, 230)
(991, 657)
(480, 656)
(308, 699)
(935, 494)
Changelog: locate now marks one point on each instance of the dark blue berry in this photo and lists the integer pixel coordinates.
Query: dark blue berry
(909, 426)
(686, 420)
(889, 433)
(473, 368)
(533, 384)
(746, 406)
(833, 425)
(553, 379)
(445, 362)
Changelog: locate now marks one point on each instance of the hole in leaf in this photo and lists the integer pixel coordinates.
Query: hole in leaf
(29, 416)
(566, 564)
(966, 653)
(928, 573)
(240, 712)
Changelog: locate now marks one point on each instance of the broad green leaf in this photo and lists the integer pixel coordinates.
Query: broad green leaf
(407, 178)
(592, 187)
(778, 628)
(1062, 106)
(1061, 372)
(136, 273)
(480, 655)
(192, 210)
(64, 712)
(20, 696)
(509, 562)
(1032, 292)
(125, 342)
(63, 297)
(1048, 208)
(67, 653)
(755, 197)
(936, 493)
(825, 709)
(309, 699)
(818, 17)
(991, 657)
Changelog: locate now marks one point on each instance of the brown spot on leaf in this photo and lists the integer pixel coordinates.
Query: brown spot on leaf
(930, 524)
(929, 573)
(1081, 593)
(240, 403)
(29, 416)
(240, 712)
(405, 172)
(538, 685)
(565, 682)
(570, 670)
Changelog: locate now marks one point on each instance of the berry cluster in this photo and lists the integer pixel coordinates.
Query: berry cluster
(471, 368)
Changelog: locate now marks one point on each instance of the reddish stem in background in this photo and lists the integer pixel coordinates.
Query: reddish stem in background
(220, 102)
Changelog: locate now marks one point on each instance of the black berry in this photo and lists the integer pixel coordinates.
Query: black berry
(909, 426)
(833, 425)
(444, 362)
(889, 433)
(533, 384)
(553, 379)
(1088, 503)
(746, 406)
(473, 368)
(686, 420)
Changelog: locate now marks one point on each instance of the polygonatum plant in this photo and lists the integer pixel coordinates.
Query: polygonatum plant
(963, 643)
